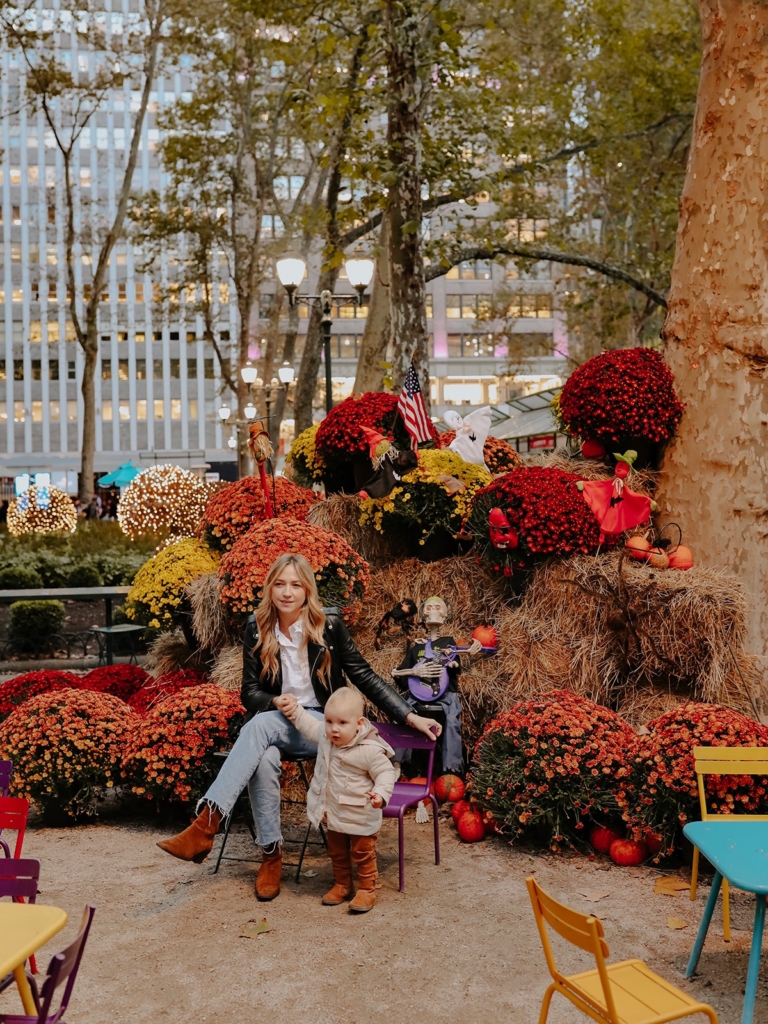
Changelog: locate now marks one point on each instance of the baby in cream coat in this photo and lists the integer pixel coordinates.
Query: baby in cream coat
(354, 778)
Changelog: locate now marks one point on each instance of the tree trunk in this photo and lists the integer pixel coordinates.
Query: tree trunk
(405, 99)
(378, 326)
(88, 390)
(713, 477)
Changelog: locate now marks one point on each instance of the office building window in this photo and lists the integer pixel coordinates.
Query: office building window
(428, 304)
(468, 307)
(125, 411)
(18, 369)
(122, 369)
(37, 412)
(348, 346)
(141, 409)
(106, 412)
(106, 369)
(175, 408)
(72, 411)
(140, 337)
(193, 409)
(122, 335)
(453, 307)
(157, 369)
(121, 296)
(71, 371)
(54, 412)
(175, 369)
(53, 370)
(19, 412)
(191, 369)
(37, 369)
(209, 373)
(531, 306)
(2, 370)
(35, 330)
(159, 408)
(141, 369)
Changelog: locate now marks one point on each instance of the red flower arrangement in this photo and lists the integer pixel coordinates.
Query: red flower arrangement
(31, 684)
(66, 747)
(544, 508)
(169, 753)
(342, 575)
(549, 763)
(499, 455)
(622, 394)
(662, 793)
(119, 680)
(339, 435)
(234, 509)
(155, 690)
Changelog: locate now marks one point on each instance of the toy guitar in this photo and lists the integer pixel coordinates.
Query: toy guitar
(433, 689)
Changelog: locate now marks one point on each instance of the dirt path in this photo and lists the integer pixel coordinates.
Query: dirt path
(459, 945)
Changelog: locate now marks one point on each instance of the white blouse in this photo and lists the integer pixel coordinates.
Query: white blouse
(295, 665)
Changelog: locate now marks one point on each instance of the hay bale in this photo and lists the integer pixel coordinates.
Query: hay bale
(340, 513)
(211, 621)
(643, 480)
(171, 652)
(227, 671)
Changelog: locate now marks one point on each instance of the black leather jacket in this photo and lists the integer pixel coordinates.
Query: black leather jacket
(257, 693)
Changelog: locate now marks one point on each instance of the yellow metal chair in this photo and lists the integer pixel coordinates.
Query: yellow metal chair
(725, 761)
(624, 993)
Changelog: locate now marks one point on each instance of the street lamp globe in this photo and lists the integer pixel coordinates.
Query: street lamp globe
(250, 410)
(248, 372)
(232, 441)
(290, 271)
(224, 412)
(360, 272)
(285, 373)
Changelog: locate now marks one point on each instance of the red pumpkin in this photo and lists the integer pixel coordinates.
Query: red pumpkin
(638, 547)
(458, 809)
(488, 637)
(627, 853)
(601, 837)
(657, 558)
(449, 788)
(470, 827)
(680, 557)
(593, 449)
(653, 841)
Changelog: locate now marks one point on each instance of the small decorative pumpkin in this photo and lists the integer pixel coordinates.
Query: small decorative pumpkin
(593, 449)
(459, 808)
(601, 837)
(680, 557)
(638, 547)
(488, 637)
(470, 827)
(449, 788)
(653, 841)
(658, 559)
(627, 853)
(418, 780)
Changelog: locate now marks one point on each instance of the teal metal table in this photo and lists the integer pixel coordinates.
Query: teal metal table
(738, 851)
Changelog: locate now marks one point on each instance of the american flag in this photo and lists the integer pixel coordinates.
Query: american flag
(411, 407)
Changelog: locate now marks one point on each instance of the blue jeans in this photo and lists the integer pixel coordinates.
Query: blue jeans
(254, 760)
(453, 760)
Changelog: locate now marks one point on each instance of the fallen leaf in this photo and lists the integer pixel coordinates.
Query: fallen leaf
(254, 928)
(310, 874)
(639, 872)
(675, 923)
(668, 885)
(592, 895)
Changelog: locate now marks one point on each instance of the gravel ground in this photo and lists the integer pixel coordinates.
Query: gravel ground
(459, 944)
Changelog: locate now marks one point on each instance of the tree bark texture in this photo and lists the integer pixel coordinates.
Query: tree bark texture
(406, 86)
(378, 325)
(715, 472)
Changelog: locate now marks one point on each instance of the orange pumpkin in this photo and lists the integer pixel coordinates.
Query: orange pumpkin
(449, 788)
(681, 557)
(487, 636)
(627, 853)
(470, 827)
(658, 559)
(638, 547)
(601, 837)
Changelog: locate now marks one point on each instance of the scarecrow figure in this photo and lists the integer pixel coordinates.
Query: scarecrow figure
(616, 506)
(471, 434)
(389, 464)
(260, 448)
(432, 669)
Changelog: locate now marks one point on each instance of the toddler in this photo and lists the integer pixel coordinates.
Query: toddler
(354, 778)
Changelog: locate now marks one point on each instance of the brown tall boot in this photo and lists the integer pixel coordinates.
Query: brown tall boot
(268, 878)
(195, 842)
(338, 851)
(363, 851)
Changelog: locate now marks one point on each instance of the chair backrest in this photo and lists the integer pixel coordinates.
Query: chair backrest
(410, 739)
(728, 761)
(14, 811)
(64, 967)
(19, 878)
(6, 771)
(580, 930)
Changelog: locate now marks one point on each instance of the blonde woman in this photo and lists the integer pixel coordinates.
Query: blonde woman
(295, 654)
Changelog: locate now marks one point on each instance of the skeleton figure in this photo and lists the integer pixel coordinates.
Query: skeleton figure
(471, 434)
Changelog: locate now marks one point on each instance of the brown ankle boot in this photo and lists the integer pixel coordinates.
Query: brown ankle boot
(195, 842)
(338, 851)
(363, 852)
(268, 878)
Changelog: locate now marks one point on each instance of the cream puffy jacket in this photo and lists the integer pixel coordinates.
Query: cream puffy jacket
(344, 775)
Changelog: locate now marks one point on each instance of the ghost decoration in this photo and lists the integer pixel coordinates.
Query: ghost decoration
(471, 433)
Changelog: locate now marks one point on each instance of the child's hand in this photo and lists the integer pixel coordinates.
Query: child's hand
(376, 799)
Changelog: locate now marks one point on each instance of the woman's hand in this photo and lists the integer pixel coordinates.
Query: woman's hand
(287, 703)
(428, 726)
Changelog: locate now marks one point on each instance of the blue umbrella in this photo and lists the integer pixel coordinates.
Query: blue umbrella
(120, 477)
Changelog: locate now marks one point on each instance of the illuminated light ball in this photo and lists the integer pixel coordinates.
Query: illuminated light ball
(163, 499)
(58, 515)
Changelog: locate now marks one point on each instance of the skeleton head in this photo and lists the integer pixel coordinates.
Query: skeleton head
(436, 611)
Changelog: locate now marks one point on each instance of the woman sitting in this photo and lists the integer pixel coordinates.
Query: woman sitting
(294, 653)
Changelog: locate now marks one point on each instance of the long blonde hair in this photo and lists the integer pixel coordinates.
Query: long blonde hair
(313, 618)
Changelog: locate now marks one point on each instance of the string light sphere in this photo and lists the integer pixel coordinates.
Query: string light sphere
(162, 500)
(32, 513)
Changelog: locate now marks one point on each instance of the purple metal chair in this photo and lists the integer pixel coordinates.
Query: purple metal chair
(18, 879)
(6, 771)
(405, 794)
(63, 967)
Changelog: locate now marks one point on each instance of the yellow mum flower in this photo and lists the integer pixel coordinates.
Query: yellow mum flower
(159, 584)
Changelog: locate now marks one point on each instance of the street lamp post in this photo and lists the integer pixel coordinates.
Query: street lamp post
(290, 271)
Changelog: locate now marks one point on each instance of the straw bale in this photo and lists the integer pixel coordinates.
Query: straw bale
(227, 671)
(170, 652)
(643, 480)
(211, 621)
(340, 513)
